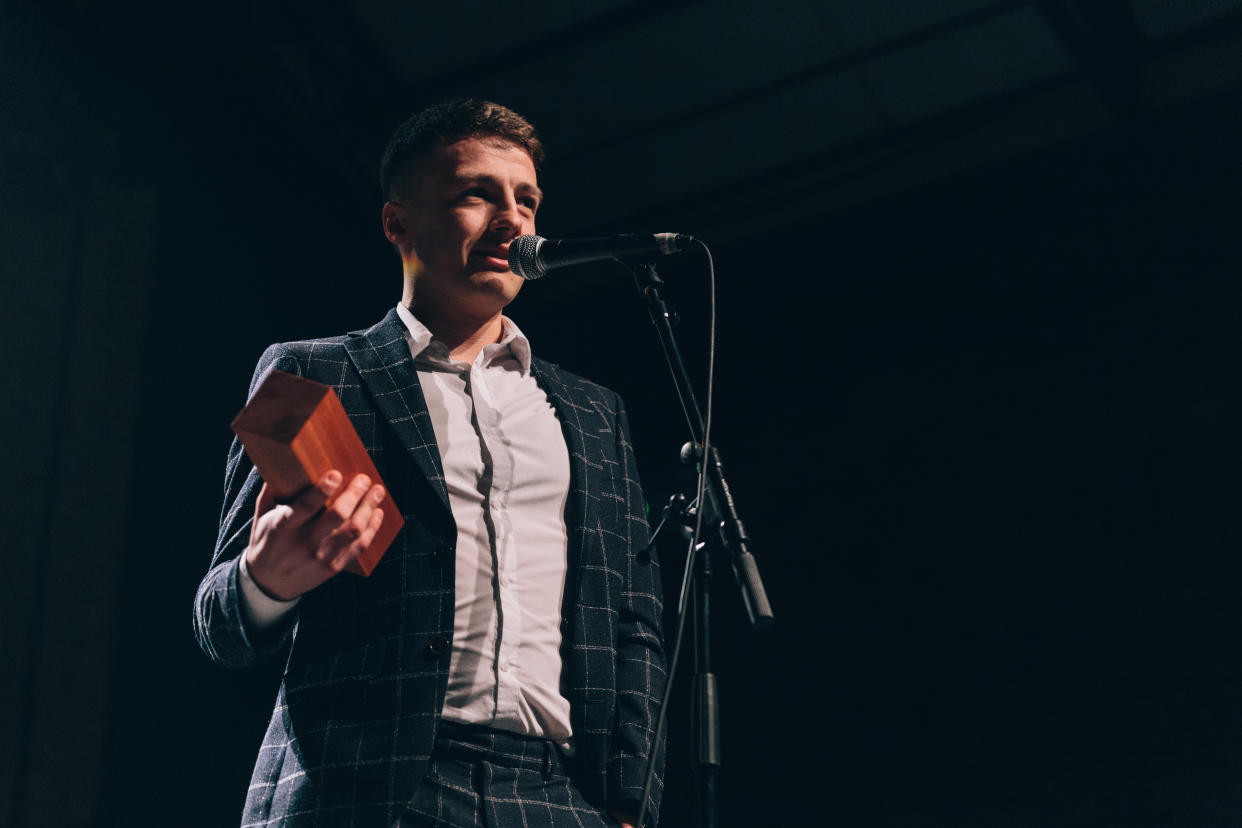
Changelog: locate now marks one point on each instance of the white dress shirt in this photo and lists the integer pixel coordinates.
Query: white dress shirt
(506, 468)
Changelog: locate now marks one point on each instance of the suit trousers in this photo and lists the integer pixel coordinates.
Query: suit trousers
(484, 778)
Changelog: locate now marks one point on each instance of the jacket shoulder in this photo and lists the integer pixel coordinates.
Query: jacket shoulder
(321, 359)
(572, 383)
(309, 349)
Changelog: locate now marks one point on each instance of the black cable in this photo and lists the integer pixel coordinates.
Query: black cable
(687, 576)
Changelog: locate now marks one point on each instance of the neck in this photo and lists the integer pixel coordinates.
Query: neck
(462, 334)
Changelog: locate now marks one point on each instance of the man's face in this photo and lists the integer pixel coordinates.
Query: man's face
(471, 199)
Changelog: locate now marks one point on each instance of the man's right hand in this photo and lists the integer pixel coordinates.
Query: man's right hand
(295, 547)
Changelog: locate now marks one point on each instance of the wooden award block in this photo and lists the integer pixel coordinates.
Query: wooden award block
(295, 431)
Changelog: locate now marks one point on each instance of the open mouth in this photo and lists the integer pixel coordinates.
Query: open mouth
(493, 257)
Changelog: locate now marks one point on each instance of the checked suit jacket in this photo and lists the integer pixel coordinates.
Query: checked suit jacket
(358, 706)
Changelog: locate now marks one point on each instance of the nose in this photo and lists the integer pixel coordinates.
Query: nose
(508, 217)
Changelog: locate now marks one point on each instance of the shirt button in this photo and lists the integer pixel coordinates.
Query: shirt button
(504, 580)
(504, 665)
(438, 647)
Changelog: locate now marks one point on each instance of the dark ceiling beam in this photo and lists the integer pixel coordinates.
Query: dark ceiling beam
(600, 26)
(291, 78)
(808, 74)
(323, 80)
(325, 83)
(1223, 28)
(1108, 44)
(852, 163)
(315, 83)
(841, 166)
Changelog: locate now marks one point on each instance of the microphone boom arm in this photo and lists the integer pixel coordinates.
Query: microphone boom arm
(732, 531)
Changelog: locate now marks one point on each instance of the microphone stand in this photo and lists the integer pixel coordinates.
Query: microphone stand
(719, 510)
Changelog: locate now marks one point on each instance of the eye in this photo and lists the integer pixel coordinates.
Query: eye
(474, 192)
(529, 202)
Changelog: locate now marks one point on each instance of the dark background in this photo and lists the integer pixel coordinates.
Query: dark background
(977, 372)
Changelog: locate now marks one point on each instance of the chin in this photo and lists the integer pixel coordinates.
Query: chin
(506, 282)
(490, 293)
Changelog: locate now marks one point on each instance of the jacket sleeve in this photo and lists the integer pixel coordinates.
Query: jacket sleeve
(641, 667)
(218, 620)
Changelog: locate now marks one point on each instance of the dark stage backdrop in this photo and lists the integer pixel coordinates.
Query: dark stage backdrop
(985, 435)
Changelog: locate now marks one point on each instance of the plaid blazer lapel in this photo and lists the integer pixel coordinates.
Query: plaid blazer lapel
(382, 356)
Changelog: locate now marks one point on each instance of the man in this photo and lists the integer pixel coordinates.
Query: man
(502, 664)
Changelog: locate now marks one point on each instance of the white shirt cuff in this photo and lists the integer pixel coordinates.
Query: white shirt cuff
(259, 609)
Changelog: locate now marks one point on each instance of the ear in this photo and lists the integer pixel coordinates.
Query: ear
(393, 218)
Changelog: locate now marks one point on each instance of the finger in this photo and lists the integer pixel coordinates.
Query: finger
(311, 502)
(369, 503)
(265, 502)
(349, 497)
(349, 553)
(353, 528)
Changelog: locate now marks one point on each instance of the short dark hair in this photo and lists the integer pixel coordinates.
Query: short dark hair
(445, 123)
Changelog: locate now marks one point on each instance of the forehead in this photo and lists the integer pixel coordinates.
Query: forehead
(483, 156)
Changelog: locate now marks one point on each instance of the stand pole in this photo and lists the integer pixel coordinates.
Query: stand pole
(722, 511)
(705, 716)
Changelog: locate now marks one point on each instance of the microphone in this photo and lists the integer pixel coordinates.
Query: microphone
(532, 256)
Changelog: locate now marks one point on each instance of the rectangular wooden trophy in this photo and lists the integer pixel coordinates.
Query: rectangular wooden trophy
(295, 430)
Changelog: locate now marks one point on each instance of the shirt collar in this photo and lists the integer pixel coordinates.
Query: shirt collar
(512, 341)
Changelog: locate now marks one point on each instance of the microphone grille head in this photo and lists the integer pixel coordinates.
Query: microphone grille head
(524, 256)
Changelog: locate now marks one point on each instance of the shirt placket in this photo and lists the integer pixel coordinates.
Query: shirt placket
(504, 555)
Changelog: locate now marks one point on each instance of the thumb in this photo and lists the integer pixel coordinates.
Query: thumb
(267, 504)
